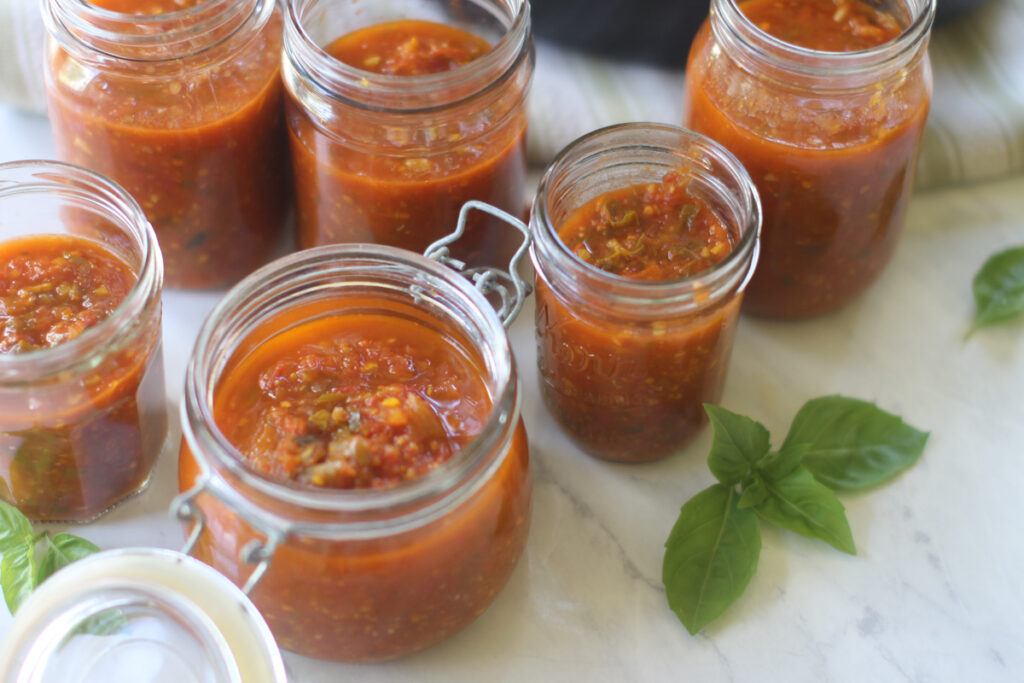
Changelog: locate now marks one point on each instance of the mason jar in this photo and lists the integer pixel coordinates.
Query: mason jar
(386, 158)
(181, 103)
(625, 365)
(830, 138)
(82, 421)
(359, 574)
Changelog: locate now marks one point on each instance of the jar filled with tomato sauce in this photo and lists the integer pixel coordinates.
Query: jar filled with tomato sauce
(353, 450)
(645, 236)
(400, 112)
(824, 102)
(82, 405)
(181, 102)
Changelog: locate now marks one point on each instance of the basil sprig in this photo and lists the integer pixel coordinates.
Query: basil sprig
(24, 562)
(834, 443)
(999, 288)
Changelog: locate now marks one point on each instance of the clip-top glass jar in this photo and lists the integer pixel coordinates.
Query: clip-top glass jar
(830, 139)
(626, 364)
(388, 158)
(362, 573)
(82, 421)
(181, 103)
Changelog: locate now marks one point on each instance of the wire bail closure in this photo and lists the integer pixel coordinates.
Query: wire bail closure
(255, 552)
(489, 279)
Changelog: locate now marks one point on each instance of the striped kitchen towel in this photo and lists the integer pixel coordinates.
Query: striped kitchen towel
(976, 129)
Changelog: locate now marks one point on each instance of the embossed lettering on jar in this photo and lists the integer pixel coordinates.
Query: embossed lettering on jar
(825, 104)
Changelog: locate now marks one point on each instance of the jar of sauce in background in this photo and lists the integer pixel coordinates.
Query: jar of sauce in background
(179, 101)
(645, 236)
(353, 450)
(825, 104)
(400, 112)
(82, 406)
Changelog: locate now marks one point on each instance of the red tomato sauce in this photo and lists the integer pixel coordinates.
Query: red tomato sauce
(378, 398)
(834, 171)
(355, 401)
(54, 287)
(198, 141)
(374, 190)
(627, 391)
(76, 446)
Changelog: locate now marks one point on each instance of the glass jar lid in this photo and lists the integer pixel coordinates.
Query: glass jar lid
(156, 616)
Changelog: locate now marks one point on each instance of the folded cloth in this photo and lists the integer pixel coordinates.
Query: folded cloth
(975, 130)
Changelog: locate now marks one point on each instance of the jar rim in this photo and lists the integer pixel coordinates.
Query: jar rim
(425, 496)
(732, 27)
(110, 334)
(642, 296)
(195, 29)
(403, 93)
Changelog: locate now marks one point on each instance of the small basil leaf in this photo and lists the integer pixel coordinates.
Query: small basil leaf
(999, 288)
(852, 444)
(754, 494)
(710, 556)
(106, 623)
(738, 444)
(18, 573)
(64, 549)
(802, 504)
(778, 464)
(15, 529)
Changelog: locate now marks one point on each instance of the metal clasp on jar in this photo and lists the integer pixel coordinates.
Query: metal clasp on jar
(489, 279)
(255, 552)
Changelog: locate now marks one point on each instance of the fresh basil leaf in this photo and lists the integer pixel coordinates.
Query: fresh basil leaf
(105, 623)
(754, 493)
(802, 504)
(852, 444)
(738, 444)
(710, 556)
(15, 529)
(63, 550)
(18, 573)
(999, 288)
(778, 464)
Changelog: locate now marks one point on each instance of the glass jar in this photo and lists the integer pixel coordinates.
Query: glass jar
(389, 159)
(82, 423)
(359, 574)
(626, 365)
(154, 616)
(183, 107)
(831, 141)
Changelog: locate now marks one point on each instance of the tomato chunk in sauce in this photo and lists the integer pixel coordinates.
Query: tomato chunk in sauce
(353, 401)
(408, 48)
(54, 287)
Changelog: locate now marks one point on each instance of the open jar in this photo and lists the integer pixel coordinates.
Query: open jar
(626, 364)
(82, 421)
(388, 155)
(830, 139)
(179, 101)
(392, 566)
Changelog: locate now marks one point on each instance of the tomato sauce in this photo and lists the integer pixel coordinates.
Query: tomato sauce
(365, 400)
(834, 166)
(78, 446)
(52, 288)
(376, 188)
(198, 141)
(627, 391)
(356, 401)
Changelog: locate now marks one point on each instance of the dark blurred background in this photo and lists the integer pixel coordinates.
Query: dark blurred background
(656, 31)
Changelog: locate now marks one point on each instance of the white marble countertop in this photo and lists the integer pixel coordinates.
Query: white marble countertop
(935, 592)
